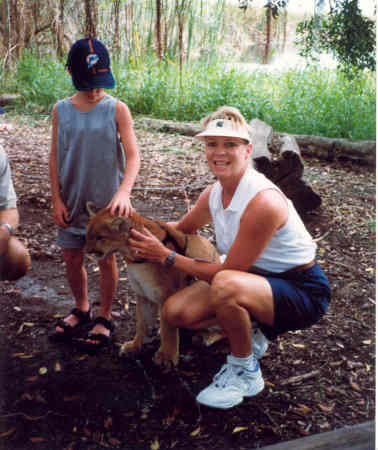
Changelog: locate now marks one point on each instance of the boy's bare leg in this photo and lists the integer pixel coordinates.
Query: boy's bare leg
(108, 287)
(78, 280)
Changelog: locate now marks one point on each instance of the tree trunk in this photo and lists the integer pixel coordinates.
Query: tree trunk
(268, 33)
(180, 12)
(5, 29)
(116, 36)
(16, 41)
(29, 25)
(60, 31)
(90, 19)
(284, 37)
(129, 18)
(158, 29)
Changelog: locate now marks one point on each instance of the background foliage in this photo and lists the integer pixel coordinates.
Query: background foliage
(180, 59)
(345, 33)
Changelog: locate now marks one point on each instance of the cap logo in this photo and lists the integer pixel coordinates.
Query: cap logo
(92, 60)
(219, 124)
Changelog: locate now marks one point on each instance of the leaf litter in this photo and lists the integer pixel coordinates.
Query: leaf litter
(317, 380)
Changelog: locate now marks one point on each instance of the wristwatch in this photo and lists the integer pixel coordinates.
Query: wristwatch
(8, 227)
(170, 259)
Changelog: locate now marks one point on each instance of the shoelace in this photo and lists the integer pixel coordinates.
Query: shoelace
(227, 371)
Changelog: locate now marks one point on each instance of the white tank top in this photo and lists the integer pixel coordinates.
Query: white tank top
(289, 247)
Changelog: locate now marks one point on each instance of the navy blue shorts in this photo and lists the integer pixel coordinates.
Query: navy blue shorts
(300, 300)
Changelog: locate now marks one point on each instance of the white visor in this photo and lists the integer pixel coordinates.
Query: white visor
(225, 128)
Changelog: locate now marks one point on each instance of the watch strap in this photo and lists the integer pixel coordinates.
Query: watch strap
(170, 259)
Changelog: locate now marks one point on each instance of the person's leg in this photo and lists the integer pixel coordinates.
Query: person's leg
(78, 280)
(108, 287)
(190, 307)
(15, 262)
(236, 296)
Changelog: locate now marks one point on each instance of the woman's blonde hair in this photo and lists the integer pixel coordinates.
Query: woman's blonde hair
(237, 120)
(226, 113)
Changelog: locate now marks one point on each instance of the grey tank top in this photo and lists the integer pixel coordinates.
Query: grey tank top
(90, 158)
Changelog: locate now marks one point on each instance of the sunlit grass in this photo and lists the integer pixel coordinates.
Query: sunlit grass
(310, 101)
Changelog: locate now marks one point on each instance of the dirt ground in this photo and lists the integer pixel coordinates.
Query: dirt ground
(54, 397)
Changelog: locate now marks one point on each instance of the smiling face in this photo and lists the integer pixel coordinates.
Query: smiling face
(227, 156)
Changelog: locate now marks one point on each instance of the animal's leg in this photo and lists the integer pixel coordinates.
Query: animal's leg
(146, 313)
(168, 353)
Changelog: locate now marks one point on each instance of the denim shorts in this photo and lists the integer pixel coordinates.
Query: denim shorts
(66, 239)
(300, 300)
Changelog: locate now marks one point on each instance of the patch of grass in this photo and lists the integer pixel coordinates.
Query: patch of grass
(310, 101)
(41, 83)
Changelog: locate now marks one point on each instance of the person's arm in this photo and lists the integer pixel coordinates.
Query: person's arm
(8, 202)
(11, 217)
(120, 203)
(264, 215)
(60, 212)
(198, 216)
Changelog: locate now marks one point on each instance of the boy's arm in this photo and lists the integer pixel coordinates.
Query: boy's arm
(60, 213)
(121, 203)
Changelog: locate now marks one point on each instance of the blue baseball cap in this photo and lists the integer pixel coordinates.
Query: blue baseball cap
(89, 64)
(2, 111)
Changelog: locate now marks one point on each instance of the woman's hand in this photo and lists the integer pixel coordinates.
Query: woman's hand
(146, 245)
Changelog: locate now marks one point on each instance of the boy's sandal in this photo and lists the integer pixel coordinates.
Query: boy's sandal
(70, 331)
(100, 340)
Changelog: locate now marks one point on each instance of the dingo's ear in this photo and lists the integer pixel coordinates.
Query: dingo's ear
(92, 209)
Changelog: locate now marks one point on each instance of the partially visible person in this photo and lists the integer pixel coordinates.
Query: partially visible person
(14, 257)
(94, 158)
(268, 275)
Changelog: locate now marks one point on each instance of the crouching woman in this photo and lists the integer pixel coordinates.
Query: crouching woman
(268, 283)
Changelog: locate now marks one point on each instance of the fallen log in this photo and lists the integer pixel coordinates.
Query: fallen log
(9, 99)
(332, 149)
(329, 149)
(168, 126)
(355, 437)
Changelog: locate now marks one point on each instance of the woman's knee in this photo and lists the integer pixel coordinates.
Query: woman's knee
(174, 314)
(18, 261)
(170, 313)
(224, 287)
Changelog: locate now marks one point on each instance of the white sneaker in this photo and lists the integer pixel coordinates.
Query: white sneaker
(259, 343)
(230, 385)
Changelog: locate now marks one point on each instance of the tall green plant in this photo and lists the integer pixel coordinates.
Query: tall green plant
(345, 33)
(41, 82)
(309, 101)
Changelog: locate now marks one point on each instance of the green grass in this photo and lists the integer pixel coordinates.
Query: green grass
(308, 101)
